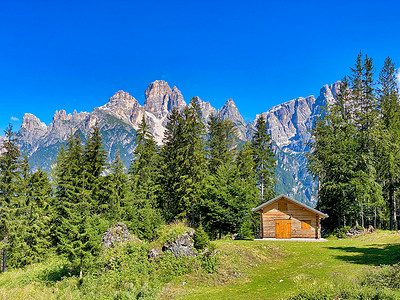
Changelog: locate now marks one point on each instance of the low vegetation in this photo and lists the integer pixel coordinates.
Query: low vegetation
(364, 267)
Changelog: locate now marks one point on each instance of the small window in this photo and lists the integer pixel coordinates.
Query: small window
(306, 224)
(282, 206)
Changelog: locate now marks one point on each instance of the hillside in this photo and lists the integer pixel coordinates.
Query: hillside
(289, 124)
(246, 270)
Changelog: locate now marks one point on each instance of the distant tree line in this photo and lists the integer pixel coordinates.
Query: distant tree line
(355, 155)
(203, 174)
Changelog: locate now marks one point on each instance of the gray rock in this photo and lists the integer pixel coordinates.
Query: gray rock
(183, 246)
(154, 253)
(116, 234)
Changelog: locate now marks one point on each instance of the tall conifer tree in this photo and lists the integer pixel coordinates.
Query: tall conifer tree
(144, 174)
(264, 159)
(10, 204)
(388, 136)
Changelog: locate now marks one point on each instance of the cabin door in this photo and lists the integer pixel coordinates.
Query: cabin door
(283, 229)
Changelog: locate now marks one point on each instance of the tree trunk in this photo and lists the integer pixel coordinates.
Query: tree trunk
(80, 271)
(4, 261)
(392, 208)
(262, 184)
(362, 214)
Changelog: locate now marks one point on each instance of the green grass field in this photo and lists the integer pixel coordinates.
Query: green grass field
(276, 270)
(246, 270)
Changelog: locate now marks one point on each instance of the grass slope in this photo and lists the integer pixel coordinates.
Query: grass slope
(276, 270)
(247, 270)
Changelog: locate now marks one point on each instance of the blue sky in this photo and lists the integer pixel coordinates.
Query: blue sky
(76, 54)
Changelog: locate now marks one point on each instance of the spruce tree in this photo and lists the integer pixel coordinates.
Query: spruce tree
(222, 140)
(264, 159)
(73, 208)
(37, 237)
(387, 138)
(169, 177)
(115, 205)
(10, 204)
(144, 187)
(94, 160)
(183, 163)
(333, 159)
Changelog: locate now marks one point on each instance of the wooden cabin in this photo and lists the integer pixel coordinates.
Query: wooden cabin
(286, 218)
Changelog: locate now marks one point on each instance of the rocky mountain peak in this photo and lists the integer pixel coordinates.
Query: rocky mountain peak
(160, 99)
(30, 122)
(122, 105)
(61, 115)
(32, 129)
(206, 108)
(335, 87)
(230, 102)
(230, 112)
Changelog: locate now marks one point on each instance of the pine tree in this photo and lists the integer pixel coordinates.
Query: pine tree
(144, 173)
(332, 158)
(183, 163)
(169, 177)
(343, 155)
(94, 160)
(73, 209)
(222, 140)
(264, 159)
(250, 194)
(10, 183)
(117, 189)
(387, 137)
(365, 113)
(37, 237)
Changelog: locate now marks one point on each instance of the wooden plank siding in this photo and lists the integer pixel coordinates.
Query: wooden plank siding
(293, 212)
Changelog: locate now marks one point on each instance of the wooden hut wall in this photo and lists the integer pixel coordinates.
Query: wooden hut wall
(283, 209)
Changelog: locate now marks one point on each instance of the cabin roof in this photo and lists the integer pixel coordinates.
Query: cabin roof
(290, 199)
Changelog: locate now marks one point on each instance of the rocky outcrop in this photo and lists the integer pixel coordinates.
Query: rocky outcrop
(182, 246)
(117, 234)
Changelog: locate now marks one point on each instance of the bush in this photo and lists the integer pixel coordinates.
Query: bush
(209, 259)
(201, 240)
(340, 233)
(169, 233)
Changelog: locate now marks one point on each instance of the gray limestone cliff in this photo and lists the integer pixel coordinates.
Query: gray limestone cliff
(289, 125)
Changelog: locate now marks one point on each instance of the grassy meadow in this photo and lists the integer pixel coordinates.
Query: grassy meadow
(246, 270)
(277, 270)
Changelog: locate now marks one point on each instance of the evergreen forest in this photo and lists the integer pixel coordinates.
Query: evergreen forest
(355, 155)
(203, 174)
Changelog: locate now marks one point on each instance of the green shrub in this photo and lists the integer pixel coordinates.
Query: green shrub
(209, 259)
(340, 233)
(169, 233)
(201, 240)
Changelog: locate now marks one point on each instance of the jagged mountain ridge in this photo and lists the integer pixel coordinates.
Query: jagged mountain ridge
(119, 118)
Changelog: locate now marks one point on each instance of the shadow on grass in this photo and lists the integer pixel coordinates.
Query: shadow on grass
(51, 276)
(374, 254)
